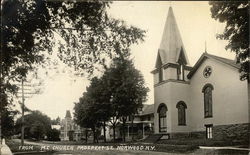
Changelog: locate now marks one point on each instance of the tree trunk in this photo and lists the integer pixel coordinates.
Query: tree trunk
(104, 131)
(0, 125)
(86, 135)
(123, 128)
(97, 135)
(132, 124)
(114, 132)
(93, 130)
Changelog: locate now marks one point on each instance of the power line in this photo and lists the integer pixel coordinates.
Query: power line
(24, 96)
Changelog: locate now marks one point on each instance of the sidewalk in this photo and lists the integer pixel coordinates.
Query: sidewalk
(225, 147)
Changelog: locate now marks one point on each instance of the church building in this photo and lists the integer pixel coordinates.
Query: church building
(207, 100)
(69, 130)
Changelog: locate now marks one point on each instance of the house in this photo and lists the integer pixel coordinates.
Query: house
(143, 122)
(69, 130)
(207, 100)
(141, 126)
(57, 127)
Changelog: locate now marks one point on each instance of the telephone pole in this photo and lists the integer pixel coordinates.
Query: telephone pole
(24, 96)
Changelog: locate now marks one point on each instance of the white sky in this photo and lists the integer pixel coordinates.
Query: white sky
(195, 24)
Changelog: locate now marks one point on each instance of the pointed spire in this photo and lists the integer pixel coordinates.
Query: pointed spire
(68, 115)
(171, 42)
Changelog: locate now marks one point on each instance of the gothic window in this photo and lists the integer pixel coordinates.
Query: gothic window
(162, 110)
(181, 106)
(207, 90)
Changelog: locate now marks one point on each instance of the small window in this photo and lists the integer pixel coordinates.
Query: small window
(160, 75)
(181, 106)
(160, 70)
(209, 131)
(149, 118)
(180, 72)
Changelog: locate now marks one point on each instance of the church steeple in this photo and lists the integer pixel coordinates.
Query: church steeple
(68, 115)
(171, 46)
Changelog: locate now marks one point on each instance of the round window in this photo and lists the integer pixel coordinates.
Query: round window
(207, 71)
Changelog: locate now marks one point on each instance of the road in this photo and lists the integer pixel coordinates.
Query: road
(91, 151)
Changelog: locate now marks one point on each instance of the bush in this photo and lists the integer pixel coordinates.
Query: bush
(53, 135)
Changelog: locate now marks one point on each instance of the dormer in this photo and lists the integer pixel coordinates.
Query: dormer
(182, 63)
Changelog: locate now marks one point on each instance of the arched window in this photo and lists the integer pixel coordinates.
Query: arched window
(208, 101)
(181, 106)
(162, 110)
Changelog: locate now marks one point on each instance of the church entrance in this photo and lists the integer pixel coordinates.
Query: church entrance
(162, 111)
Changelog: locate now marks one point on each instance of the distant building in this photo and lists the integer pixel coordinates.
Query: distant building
(141, 127)
(57, 127)
(143, 122)
(69, 130)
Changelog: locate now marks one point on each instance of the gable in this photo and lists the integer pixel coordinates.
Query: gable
(205, 56)
(160, 59)
(181, 57)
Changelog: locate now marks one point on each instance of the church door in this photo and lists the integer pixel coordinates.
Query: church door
(162, 119)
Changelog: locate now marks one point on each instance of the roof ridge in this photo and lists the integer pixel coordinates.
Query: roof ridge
(220, 57)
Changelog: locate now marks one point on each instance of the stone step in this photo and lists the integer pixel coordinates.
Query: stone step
(153, 138)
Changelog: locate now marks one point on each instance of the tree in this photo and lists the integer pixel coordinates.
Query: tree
(56, 121)
(117, 94)
(236, 16)
(53, 135)
(28, 28)
(8, 122)
(37, 125)
(101, 101)
(87, 34)
(126, 86)
(85, 114)
(37, 130)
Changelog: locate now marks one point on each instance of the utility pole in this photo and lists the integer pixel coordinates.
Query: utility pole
(23, 94)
